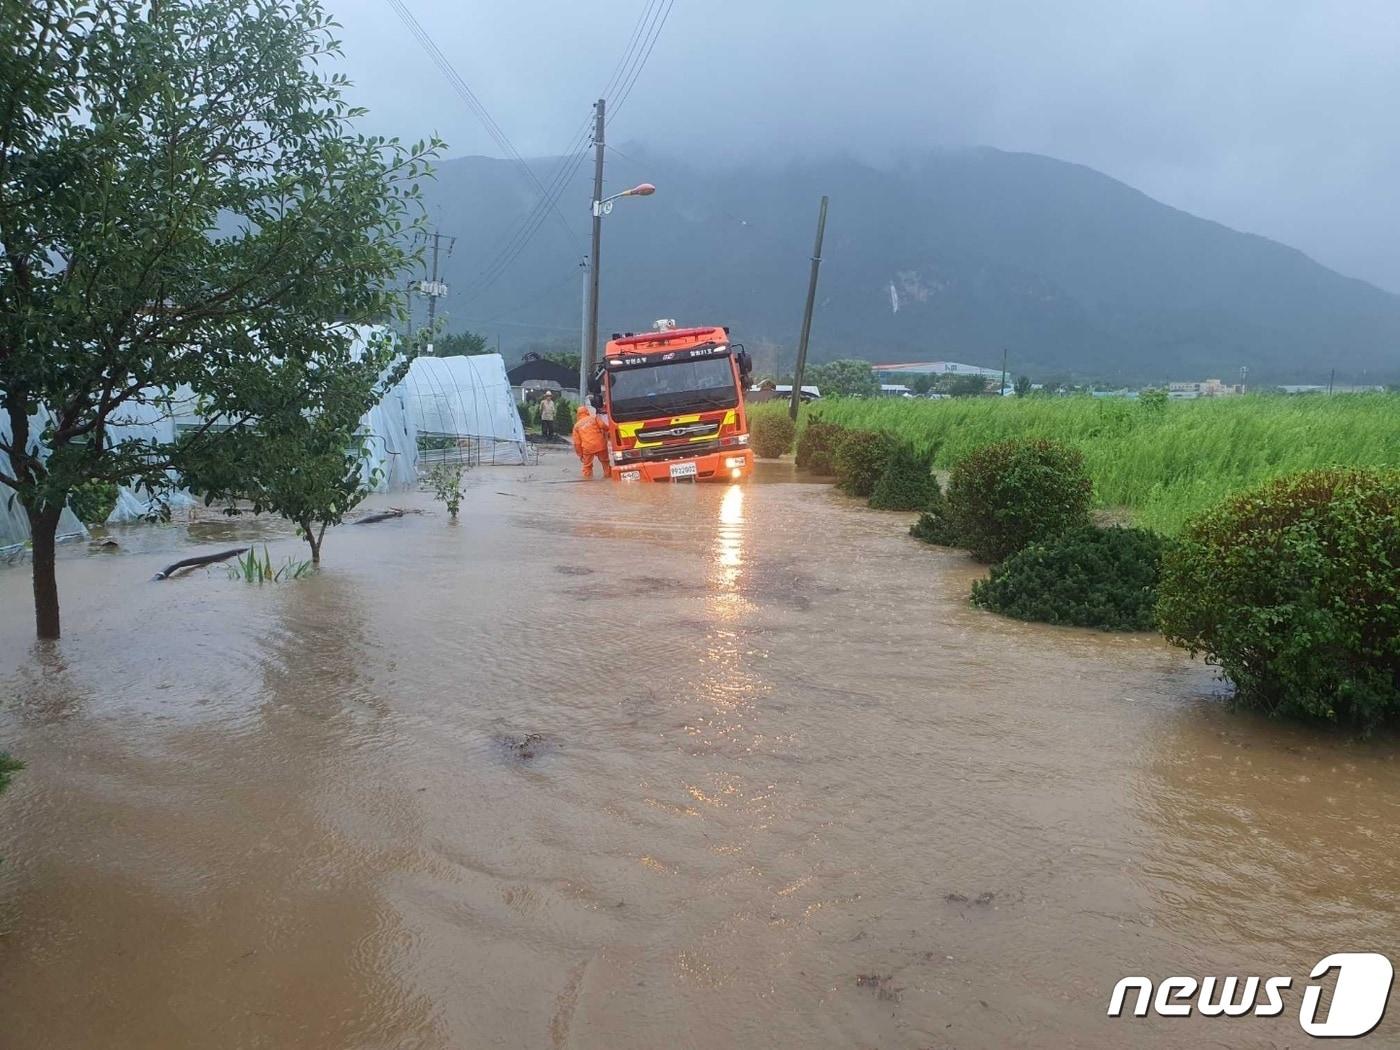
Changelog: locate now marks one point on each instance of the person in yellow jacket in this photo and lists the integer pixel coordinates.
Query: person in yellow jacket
(590, 441)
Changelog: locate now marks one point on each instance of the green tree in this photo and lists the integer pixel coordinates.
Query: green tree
(962, 385)
(563, 358)
(184, 206)
(1022, 386)
(304, 455)
(921, 384)
(460, 344)
(848, 377)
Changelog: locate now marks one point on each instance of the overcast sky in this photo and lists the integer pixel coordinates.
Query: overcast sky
(1277, 117)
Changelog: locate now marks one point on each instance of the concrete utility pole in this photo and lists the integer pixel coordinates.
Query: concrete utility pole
(807, 314)
(583, 270)
(435, 290)
(1003, 372)
(594, 257)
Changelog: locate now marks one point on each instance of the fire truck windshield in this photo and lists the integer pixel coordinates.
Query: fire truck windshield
(640, 391)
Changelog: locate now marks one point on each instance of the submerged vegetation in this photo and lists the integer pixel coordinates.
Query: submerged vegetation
(445, 479)
(1090, 577)
(251, 569)
(8, 768)
(1161, 461)
(1288, 579)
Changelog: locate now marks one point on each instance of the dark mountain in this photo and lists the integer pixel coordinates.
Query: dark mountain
(953, 257)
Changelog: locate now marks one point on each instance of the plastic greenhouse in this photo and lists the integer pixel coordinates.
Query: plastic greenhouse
(463, 408)
(14, 523)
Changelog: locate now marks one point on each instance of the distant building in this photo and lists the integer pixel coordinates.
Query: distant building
(1318, 388)
(1206, 388)
(889, 371)
(895, 390)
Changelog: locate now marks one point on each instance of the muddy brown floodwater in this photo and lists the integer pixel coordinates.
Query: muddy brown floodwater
(636, 767)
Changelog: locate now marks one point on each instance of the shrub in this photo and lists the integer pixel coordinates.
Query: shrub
(1293, 588)
(907, 482)
(771, 433)
(816, 445)
(445, 480)
(1008, 495)
(859, 460)
(1088, 577)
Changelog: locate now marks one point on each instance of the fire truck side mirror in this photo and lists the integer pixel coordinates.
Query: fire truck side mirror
(745, 363)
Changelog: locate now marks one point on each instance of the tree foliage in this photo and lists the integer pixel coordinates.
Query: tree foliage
(848, 377)
(186, 215)
(303, 455)
(460, 344)
(962, 385)
(1293, 588)
(1022, 386)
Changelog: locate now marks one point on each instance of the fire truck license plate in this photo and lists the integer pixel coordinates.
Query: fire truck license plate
(682, 470)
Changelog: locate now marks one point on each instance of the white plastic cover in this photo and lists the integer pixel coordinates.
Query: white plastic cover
(14, 523)
(157, 422)
(466, 398)
(392, 441)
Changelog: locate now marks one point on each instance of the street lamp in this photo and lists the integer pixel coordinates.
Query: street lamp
(601, 206)
(605, 206)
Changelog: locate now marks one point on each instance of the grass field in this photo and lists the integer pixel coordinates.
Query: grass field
(1161, 464)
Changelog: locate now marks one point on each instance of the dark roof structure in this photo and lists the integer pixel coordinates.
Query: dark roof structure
(535, 367)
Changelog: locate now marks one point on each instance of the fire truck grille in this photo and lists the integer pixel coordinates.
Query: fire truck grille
(683, 432)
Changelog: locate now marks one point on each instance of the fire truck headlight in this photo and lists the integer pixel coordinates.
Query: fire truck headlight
(743, 439)
(736, 473)
(616, 456)
(735, 463)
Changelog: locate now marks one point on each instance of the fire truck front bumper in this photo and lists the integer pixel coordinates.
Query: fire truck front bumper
(725, 465)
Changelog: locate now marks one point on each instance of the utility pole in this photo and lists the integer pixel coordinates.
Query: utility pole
(435, 289)
(590, 349)
(1003, 371)
(807, 314)
(1331, 379)
(583, 269)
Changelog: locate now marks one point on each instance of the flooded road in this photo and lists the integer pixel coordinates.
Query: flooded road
(641, 768)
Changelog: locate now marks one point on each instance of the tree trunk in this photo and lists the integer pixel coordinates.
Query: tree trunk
(43, 530)
(314, 538)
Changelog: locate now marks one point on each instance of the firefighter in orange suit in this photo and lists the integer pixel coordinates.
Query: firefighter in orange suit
(590, 441)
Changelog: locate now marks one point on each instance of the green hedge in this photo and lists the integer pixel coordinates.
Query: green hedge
(816, 445)
(771, 432)
(860, 459)
(1087, 577)
(1008, 495)
(907, 482)
(1293, 588)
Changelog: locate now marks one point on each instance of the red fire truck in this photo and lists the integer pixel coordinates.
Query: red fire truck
(674, 402)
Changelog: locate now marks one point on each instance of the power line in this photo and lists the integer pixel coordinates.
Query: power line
(571, 160)
(637, 72)
(493, 129)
